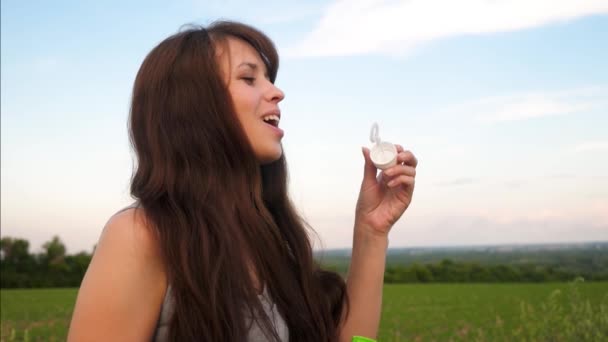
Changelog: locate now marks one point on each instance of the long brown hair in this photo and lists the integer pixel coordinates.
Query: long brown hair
(219, 215)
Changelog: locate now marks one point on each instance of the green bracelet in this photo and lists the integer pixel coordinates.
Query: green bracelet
(362, 339)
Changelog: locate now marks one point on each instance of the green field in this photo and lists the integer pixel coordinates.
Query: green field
(410, 312)
(486, 311)
(36, 314)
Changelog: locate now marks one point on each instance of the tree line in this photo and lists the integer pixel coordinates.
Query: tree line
(448, 271)
(54, 268)
(50, 268)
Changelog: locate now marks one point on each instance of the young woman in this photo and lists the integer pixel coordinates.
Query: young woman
(213, 249)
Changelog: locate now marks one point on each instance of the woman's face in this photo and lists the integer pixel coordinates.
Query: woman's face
(255, 98)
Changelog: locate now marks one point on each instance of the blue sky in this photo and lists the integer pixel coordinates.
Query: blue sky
(505, 104)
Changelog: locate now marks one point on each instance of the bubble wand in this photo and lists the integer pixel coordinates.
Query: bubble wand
(383, 153)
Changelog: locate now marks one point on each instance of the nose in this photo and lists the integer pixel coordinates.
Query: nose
(275, 94)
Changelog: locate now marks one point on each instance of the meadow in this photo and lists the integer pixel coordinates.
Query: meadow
(411, 312)
(494, 312)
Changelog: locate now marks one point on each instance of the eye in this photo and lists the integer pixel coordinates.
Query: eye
(248, 80)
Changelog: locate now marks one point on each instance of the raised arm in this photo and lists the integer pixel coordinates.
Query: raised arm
(123, 289)
(382, 201)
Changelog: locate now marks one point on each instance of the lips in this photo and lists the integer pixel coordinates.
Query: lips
(272, 122)
(279, 132)
(272, 119)
(272, 115)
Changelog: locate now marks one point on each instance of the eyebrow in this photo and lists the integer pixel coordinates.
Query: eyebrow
(249, 64)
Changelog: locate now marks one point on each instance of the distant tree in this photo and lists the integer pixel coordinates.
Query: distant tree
(14, 251)
(408, 275)
(55, 251)
(77, 266)
(480, 274)
(16, 263)
(505, 273)
(422, 273)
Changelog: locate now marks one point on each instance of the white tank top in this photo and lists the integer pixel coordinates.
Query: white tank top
(255, 332)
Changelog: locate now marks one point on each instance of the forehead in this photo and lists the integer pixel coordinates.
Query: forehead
(235, 51)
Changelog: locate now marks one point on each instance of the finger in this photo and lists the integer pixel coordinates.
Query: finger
(382, 178)
(399, 148)
(401, 180)
(369, 169)
(407, 158)
(400, 170)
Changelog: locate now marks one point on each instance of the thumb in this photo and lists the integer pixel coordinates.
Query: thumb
(369, 173)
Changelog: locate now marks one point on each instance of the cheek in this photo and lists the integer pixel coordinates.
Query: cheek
(246, 107)
(245, 101)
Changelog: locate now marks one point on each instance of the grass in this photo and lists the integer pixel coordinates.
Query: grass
(36, 314)
(444, 312)
(432, 312)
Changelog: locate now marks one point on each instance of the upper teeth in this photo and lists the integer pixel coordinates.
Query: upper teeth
(271, 117)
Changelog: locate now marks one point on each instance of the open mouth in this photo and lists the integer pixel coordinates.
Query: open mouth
(272, 123)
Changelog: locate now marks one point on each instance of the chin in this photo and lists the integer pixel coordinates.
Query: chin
(271, 157)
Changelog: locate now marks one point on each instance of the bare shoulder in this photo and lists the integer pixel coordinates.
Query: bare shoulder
(124, 286)
(129, 232)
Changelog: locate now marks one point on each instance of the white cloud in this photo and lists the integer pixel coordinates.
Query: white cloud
(526, 107)
(545, 224)
(44, 64)
(395, 27)
(268, 12)
(471, 230)
(591, 146)
(533, 105)
(458, 181)
(594, 212)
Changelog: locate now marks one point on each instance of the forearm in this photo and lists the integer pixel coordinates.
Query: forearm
(364, 285)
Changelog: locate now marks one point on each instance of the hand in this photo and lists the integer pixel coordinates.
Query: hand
(384, 198)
